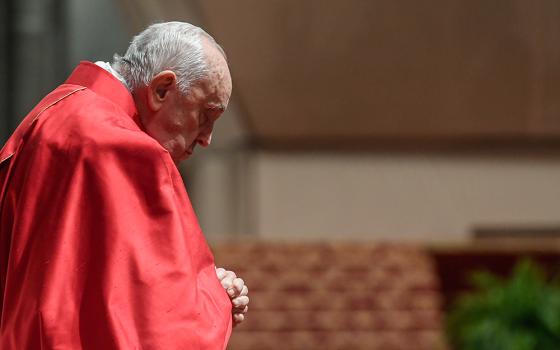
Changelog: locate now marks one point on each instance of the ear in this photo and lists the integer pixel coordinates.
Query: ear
(159, 89)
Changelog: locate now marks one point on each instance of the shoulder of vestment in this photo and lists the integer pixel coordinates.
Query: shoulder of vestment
(87, 122)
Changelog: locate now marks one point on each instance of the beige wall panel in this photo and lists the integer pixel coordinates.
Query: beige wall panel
(411, 198)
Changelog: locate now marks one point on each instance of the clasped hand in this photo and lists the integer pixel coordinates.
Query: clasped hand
(237, 291)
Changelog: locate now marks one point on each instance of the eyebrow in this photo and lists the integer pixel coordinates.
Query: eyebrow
(220, 107)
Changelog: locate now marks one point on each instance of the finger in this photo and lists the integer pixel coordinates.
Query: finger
(244, 291)
(238, 318)
(240, 302)
(221, 273)
(238, 284)
(241, 311)
(227, 282)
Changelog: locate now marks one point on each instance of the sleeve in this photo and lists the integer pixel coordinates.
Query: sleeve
(109, 255)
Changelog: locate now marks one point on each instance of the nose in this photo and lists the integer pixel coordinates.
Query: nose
(205, 139)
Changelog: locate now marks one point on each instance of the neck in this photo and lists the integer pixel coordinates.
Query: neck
(139, 96)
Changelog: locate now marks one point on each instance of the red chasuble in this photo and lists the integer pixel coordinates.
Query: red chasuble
(99, 245)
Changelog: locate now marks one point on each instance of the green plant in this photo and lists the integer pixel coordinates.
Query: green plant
(519, 313)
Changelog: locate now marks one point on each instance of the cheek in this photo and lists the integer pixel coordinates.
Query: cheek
(190, 134)
(174, 147)
(192, 123)
(192, 128)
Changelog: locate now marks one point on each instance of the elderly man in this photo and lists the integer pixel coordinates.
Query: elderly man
(99, 245)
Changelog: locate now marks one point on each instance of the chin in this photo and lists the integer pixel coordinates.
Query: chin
(185, 155)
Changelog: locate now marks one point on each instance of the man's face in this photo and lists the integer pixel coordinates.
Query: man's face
(183, 121)
(192, 116)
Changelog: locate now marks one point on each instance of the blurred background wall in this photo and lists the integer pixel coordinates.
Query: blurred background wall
(385, 120)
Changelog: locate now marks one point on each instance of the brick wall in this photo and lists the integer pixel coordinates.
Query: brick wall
(336, 296)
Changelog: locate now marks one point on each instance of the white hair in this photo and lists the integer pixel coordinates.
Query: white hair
(174, 46)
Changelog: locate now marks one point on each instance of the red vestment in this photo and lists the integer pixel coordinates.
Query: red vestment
(99, 245)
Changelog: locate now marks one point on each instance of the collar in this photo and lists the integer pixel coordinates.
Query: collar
(102, 82)
(108, 68)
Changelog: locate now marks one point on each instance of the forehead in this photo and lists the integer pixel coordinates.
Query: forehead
(218, 84)
(214, 90)
(219, 79)
(217, 63)
(211, 92)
